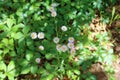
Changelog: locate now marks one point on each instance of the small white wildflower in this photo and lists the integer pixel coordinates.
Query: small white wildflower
(41, 35)
(58, 47)
(41, 47)
(56, 40)
(51, 9)
(70, 45)
(71, 39)
(33, 35)
(64, 28)
(73, 51)
(37, 60)
(54, 4)
(64, 48)
(53, 14)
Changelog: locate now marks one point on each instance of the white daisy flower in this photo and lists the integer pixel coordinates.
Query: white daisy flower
(51, 9)
(64, 28)
(73, 51)
(54, 4)
(41, 35)
(41, 47)
(70, 45)
(53, 14)
(64, 48)
(58, 47)
(33, 35)
(37, 60)
(71, 39)
(56, 40)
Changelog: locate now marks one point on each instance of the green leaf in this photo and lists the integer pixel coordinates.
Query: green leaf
(13, 34)
(1, 52)
(20, 25)
(10, 66)
(11, 74)
(30, 44)
(3, 35)
(11, 42)
(113, 12)
(10, 22)
(2, 66)
(29, 55)
(5, 40)
(6, 50)
(50, 76)
(10, 77)
(69, 73)
(12, 53)
(116, 17)
(77, 72)
(42, 70)
(17, 35)
(2, 76)
(25, 69)
(17, 27)
(47, 77)
(34, 69)
(26, 29)
(23, 62)
(48, 66)
(49, 56)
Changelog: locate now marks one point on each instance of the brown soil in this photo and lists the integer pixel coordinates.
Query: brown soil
(97, 70)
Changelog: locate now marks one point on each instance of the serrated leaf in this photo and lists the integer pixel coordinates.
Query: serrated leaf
(17, 35)
(10, 22)
(26, 29)
(11, 41)
(2, 76)
(11, 77)
(10, 66)
(17, 27)
(2, 66)
(11, 74)
(21, 25)
(6, 50)
(5, 40)
(3, 35)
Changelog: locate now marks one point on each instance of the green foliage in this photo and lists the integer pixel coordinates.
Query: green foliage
(20, 54)
(114, 16)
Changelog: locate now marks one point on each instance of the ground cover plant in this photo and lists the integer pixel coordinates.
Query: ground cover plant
(52, 39)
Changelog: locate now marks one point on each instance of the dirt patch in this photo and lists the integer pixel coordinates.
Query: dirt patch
(97, 70)
(116, 66)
